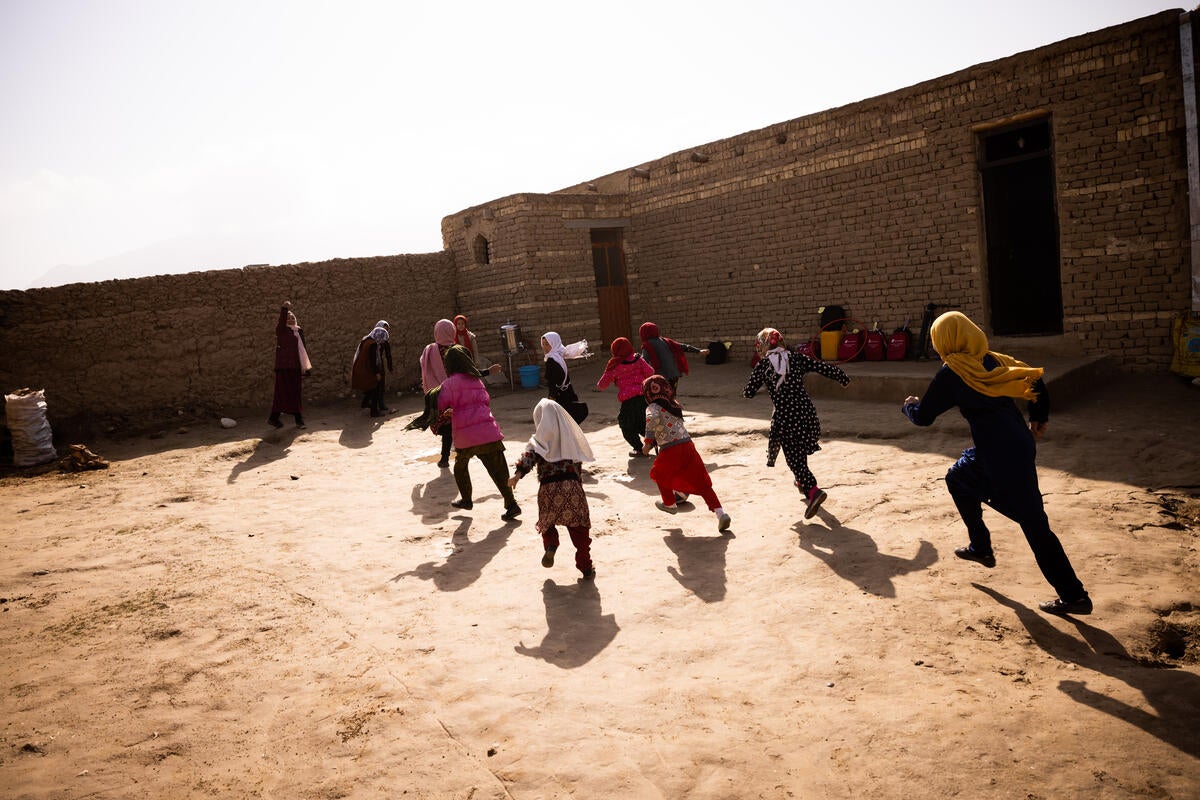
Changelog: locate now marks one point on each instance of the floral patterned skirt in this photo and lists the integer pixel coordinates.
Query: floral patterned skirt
(562, 503)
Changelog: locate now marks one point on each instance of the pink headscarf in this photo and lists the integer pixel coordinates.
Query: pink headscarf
(433, 371)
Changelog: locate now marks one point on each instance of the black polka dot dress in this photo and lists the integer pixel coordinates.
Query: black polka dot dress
(794, 423)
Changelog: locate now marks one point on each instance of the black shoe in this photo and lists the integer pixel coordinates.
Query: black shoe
(511, 513)
(548, 558)
(444, 464)
(300, 422)
(1063, 608)
(274, 421)
(465, 505)
(589, 574)
(967, 554)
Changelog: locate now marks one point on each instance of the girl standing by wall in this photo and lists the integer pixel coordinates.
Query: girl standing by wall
(372, 358)
(291, 362)
(463, 336)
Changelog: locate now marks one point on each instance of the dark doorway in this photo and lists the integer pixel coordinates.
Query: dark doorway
(1021, 225)
(608, 260)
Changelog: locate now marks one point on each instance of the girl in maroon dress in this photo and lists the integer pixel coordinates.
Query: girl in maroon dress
(291, 363)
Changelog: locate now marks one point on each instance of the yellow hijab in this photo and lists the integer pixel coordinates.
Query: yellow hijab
(962, 345)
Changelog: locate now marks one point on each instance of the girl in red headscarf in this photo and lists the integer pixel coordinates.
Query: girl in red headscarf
(665, 355)
(678, 469)
(629, 370)
(463, 336)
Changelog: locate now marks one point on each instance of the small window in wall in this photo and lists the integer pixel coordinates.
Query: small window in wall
(481, 248)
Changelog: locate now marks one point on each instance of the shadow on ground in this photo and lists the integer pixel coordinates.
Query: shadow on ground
(576, 629)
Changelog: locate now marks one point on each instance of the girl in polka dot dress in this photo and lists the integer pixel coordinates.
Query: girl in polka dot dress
(794, 425)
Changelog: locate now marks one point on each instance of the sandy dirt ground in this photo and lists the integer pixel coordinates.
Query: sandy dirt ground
(251, 613)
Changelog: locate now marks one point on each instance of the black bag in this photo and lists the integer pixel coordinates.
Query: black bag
(578, 410)
(717, 353)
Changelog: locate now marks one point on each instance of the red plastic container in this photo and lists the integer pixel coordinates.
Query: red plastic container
(850, 348)
(898, 344)
(876, 347)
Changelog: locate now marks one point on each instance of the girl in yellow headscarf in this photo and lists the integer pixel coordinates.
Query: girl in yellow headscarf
(1000, 469)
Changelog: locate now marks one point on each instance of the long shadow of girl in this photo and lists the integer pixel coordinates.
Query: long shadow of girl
(1174, 694)
(576, 630)
(272, 447)
(432, 499)
(701, 563)
(465, 563)
(853, 555)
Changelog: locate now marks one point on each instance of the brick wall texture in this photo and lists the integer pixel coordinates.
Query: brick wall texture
(875, 206)
(205, 341)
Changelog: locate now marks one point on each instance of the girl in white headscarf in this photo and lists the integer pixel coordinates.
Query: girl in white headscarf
(558, 449)
(558, 380)
(795, 427)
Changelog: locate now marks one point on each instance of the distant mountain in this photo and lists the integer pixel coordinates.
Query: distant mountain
(190, 253)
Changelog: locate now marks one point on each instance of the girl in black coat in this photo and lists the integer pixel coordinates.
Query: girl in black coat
(1000, 469)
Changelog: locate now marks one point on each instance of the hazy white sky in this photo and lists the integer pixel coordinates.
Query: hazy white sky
(142, 137)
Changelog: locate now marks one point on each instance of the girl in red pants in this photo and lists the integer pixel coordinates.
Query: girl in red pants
(558, 448)
(678, 469)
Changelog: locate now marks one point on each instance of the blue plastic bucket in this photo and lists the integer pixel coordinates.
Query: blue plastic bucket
(530, 374)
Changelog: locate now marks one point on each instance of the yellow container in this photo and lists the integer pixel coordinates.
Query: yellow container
(829, 344)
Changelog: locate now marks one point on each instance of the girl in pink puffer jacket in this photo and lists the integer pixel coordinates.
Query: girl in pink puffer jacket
(465, 399)
(628, 369)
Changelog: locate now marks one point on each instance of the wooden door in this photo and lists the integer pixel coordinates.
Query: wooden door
(608, 261)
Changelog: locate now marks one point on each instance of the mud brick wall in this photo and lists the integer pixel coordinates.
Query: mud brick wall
(205, 341)
(539, 271)
(877, 206)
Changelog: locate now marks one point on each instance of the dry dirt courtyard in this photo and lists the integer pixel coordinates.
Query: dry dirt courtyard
(251, 613)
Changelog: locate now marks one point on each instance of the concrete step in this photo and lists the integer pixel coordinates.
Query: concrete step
(1066, 377)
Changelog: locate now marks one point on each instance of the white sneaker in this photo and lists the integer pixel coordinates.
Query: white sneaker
(723, 521)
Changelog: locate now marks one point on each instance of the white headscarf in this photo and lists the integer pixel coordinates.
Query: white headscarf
(305, 362)
(557, 437)
(557, 352)
(770, 343)
(379, 335)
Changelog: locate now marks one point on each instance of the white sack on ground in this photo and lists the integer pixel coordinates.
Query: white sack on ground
(32, 440)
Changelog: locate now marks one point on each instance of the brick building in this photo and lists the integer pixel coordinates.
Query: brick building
(1043, 194)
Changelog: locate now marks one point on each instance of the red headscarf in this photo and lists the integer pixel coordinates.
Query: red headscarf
(658, 348)
(648, 330)
(621, 350)
(463, 335)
